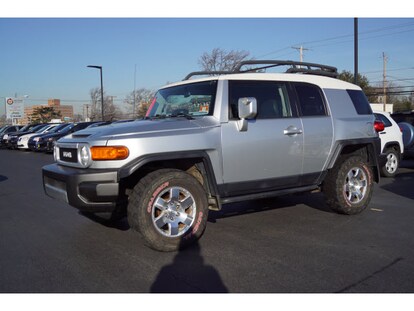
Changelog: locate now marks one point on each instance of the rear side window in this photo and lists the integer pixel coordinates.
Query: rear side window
(360, 102)
(311, 102)
(384, 119)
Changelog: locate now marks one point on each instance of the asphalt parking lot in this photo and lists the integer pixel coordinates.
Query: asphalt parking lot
(290, 244)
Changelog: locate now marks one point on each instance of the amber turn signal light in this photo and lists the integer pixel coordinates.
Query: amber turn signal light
(102, 153)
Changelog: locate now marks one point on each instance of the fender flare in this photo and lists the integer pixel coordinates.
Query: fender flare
(208, 170)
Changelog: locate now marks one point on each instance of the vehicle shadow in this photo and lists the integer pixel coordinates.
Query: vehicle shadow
(3, 178)
(403, 183)
(312, 200)
(105, 220)
(188, 274)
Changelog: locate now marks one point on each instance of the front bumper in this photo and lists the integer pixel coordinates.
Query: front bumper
(87, 190)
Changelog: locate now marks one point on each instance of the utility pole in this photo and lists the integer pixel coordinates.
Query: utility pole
(355, 50)
(300, 49)
(384, 79)
(135, 81)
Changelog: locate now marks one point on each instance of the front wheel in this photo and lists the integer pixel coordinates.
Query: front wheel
(170, 208)
(348, 186)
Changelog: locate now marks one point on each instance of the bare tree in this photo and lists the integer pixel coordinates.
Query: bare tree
(140, 105)
(95, 112)
(221, 60)
(111, 111)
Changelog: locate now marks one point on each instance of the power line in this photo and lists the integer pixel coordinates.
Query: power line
(348, 36)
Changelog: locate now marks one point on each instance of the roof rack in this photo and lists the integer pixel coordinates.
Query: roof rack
(295, 67)
(203, 73)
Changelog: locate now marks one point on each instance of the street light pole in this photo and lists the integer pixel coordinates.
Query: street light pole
(102, 98)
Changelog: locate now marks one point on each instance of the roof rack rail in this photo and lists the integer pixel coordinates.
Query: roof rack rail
(202, 73)
(295, 67)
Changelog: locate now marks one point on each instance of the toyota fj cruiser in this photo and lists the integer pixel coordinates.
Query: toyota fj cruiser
(228, 137)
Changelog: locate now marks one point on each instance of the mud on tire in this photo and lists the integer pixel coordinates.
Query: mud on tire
(170, 209)
(348, 186)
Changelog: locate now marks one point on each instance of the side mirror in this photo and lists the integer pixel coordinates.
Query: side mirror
(247, 107)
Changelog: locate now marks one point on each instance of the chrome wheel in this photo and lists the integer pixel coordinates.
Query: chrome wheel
(173, 212)
(355, 187)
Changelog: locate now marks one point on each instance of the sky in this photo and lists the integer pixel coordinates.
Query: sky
(47, 57)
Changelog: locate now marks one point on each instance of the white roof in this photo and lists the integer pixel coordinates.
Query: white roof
(321, 81)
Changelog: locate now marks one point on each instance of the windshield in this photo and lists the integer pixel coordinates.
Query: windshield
(58, 128)
(189, 100)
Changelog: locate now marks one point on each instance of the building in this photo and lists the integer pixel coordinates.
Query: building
(65, 110)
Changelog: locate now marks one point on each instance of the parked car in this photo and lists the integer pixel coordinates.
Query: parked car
(12, 140)
(392, 146)
(101, 123)
(47, 142)
(206, 142)
(6, 131)
(23, 139)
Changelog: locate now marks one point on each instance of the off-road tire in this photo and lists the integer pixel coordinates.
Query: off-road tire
(169, 208)
(348, 186)
(393, 163)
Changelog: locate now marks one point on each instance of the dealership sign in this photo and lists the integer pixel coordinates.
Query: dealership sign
(14, 108)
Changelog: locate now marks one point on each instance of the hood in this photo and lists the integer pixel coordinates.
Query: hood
(142, 127)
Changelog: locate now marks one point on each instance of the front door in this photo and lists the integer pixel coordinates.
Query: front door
(269, 154)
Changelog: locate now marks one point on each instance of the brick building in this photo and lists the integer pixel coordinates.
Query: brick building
(65, 110)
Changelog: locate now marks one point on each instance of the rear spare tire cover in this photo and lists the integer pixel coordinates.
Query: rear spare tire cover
(408, 134)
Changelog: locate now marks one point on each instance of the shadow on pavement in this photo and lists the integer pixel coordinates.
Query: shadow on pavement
(188, 274)
(3, 178)
(402, 185)
(313, 200)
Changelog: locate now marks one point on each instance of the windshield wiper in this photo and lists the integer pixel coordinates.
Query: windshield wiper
(157, 116)
(185, 115)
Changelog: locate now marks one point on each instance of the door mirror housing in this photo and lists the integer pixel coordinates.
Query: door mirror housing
(247, 108)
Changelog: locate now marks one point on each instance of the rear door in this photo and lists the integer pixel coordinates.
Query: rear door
(317, 127)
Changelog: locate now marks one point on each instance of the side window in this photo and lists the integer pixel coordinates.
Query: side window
(360, 101)
(384, 119)
(272, 98)
(311, 102)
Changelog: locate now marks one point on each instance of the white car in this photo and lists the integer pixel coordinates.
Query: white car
(24, 139)
(392, 146)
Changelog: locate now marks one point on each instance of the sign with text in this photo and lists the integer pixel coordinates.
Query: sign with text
(14, 108)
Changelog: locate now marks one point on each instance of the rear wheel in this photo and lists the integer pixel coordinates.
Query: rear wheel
(391, 166)
(348, 186)
(170, 208)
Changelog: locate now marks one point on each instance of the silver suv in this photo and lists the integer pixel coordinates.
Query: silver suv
(231, 137)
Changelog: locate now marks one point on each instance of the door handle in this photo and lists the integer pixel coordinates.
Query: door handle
(292, 130)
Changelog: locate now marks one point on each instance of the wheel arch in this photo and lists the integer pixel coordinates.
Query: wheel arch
(196, 163)
(394, 145)
(368, 149)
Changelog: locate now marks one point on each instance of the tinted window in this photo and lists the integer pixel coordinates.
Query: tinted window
(272, 98)
(360, 102)
(310, 100)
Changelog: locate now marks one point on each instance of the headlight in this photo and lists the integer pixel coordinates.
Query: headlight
(37, 139)
(84, 156)
(5, 136)
(23, 138)
(50, 139)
